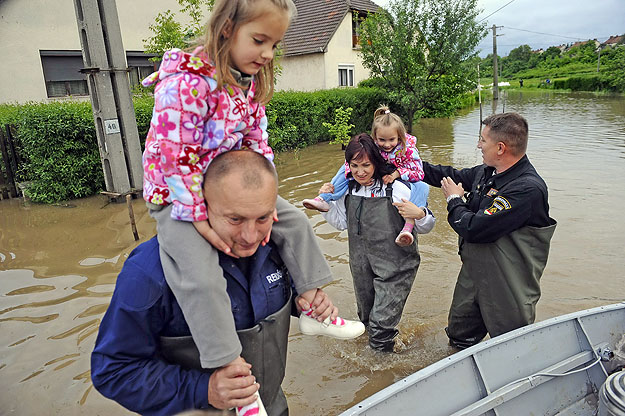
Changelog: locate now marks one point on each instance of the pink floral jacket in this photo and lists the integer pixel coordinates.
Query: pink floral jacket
(407, 160)
(192, 123)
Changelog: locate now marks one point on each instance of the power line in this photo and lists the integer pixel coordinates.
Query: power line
(511, 1)
(542, 33)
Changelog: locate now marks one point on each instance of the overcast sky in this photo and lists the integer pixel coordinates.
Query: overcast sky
(558, 21)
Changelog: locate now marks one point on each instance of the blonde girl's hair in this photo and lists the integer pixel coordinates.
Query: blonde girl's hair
(384, 117)
(229, 15)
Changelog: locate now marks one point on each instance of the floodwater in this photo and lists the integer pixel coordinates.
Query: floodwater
(58, 264)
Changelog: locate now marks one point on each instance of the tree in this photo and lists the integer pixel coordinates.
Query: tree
(518, 59)
(419, 49)
(169, 33)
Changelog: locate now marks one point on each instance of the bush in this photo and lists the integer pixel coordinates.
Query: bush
(295, 118)
(59, 151)
(143, 114)
(579, 83)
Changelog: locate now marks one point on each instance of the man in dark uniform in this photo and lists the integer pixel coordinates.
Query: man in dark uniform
(504, 233)
(144, 357)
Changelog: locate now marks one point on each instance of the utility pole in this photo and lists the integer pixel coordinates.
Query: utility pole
(113, 112)
(495, 66)
(599, 58)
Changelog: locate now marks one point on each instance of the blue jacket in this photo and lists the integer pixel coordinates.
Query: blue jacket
(125, 365)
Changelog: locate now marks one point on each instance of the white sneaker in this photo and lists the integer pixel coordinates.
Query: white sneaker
(251, 410)
(316, 203)
(339, 328)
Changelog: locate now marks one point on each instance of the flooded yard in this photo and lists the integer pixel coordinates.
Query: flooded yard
(58, 264)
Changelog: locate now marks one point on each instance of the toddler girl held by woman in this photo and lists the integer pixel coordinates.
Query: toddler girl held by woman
(397, 148)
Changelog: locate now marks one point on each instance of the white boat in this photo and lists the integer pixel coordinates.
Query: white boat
(554, 367)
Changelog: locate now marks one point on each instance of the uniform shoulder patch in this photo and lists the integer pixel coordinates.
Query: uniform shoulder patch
(499, 204)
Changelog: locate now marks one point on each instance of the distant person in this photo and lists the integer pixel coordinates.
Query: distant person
(521, 82)
(397, 148)
(505, 232)
(382, 271)
(144, 357)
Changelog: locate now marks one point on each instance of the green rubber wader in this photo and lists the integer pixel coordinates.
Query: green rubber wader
(382, 271)
(264, 346)
(498, 285)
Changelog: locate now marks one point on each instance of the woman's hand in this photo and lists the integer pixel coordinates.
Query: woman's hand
(326, 188)
(409, 210)
(206, 231)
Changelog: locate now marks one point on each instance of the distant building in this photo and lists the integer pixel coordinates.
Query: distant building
(41, 53)
(321, 46)
(614, 41)
(580, 43)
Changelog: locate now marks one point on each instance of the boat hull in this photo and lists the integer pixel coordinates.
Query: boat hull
(513, 374)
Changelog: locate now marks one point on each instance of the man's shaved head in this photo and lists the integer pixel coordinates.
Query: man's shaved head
(246, 166)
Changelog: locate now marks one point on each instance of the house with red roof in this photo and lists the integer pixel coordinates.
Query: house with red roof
(320, 49)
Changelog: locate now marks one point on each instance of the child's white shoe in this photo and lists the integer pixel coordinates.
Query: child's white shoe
(339, 328)
(317, 203)
(404, 238)
(254, 409)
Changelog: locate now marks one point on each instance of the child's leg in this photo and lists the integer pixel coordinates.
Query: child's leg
(340, 186)
(299, 249)
(192, 271)
(303, 258)
(405, 237)
(320, 202)
(419, 192)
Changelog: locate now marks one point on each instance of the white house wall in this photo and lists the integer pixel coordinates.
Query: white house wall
(302, 73)
(340, 52)
(321, 70)
(28, 26)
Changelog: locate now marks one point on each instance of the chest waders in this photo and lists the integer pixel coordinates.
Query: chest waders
(498, 285)
(264, 346)
(382, 271)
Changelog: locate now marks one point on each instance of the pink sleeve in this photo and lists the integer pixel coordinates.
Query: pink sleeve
(408, 161)
(180, 109)
(257, 138)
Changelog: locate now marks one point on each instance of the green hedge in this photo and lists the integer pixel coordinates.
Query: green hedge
(579, 83)
(295, 118)
(58, 146)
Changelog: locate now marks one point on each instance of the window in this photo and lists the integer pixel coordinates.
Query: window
(139, 66)
(357, 18)
(61, 71)
(346, 75)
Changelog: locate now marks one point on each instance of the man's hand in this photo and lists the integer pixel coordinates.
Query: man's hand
(326, 188)
(206, 231)
(449, 187)
(232, 385)
(319, 302)
(390, 178)
(409, 210)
